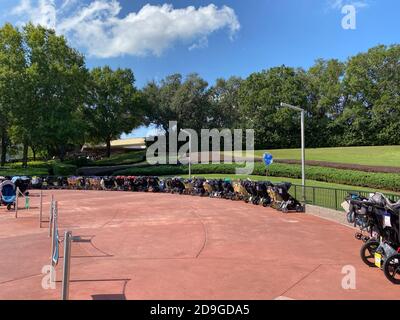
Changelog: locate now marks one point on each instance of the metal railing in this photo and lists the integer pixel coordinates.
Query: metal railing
(331, 198)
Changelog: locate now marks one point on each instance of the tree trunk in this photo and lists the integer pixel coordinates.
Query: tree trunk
(62, 153)
(25, 156)
(108, 148)
(3, 147)
(34, 153)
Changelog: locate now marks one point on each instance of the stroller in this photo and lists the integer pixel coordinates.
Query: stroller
(62, 182)
(177, 186)
(189, 187)
(282, 200)
(199, 187)
(141, 184)
(108, 183)
(22, 183)
(122, 183)
(8, 194)
(218, 188)
(94, 183)
(162, 186)
(378, 220)
(262, 193)
(208, 188)
(51, 183)
(251, 188)
(36, 182)
(153, 184)
(228, 191)
(240, 192)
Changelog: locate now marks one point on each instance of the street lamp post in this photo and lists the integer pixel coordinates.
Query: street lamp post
(303, 153)
(190, 152)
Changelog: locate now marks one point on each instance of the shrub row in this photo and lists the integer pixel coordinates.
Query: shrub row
(62, 169)
(387, 181)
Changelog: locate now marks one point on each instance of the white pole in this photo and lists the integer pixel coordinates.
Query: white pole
(303, 153)
(303, 158)
(53, 226)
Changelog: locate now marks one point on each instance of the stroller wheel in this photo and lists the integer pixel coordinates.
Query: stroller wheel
(391, 268)
(367, 252)
(285, 210)
(9, 206)
(299, 209)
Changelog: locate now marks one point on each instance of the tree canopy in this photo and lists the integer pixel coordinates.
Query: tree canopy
(50, 101)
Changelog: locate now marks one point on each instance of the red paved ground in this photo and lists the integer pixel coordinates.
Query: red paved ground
(162, 246)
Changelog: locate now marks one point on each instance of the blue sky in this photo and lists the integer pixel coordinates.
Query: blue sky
(271, 33)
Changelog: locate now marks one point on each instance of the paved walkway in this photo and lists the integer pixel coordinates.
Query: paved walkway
(162, 246)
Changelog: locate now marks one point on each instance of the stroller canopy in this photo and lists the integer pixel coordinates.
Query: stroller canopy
(8, 192)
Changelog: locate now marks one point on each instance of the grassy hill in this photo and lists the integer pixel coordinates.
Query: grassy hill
(372, 156)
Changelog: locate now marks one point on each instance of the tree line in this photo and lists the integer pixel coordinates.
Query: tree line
(52, 103)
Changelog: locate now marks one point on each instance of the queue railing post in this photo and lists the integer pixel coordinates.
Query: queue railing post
(66, 265)
(51, 215)
(41, 209)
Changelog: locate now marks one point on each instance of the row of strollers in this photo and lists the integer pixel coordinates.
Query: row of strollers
(377, 217)
(262, 193)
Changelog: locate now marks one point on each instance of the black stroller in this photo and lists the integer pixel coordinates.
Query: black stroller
(251, 188)
(283, 200)
(141, 184)
(108, 183)
(199, 187)
(378, 219)
(262, 193)
(153, 184)
(228, 191)
(22, 183)
(122, 183)
(177, 185)
(36, 182)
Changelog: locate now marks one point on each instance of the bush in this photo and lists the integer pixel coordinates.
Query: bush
(31, 164)
(122, 159)
(80, 162)
(63, 169)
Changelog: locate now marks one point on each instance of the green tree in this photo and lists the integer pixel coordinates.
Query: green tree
(224, 97)
(115, 105)
(259, 98)
(371, 87)
(325, 102)
(185, 101)
(56, 78)
(12, 64)
(44, 84)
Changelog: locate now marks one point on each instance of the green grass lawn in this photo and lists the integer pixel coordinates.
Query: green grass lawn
(374, 156)
(30, 171)
(122, 159)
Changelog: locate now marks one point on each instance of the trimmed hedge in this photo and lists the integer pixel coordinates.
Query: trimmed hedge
(63, 169)
(121, 159)
(387, 181)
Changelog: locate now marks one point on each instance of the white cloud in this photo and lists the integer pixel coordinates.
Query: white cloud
(43, 12)
(98, 27)
(339, 4)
